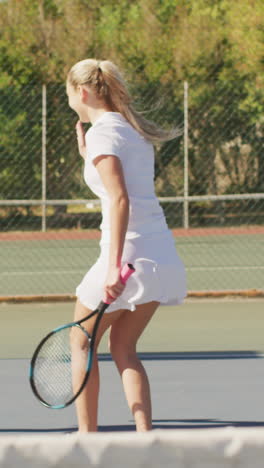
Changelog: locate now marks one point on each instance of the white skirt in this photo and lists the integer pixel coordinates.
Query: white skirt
(159, 274)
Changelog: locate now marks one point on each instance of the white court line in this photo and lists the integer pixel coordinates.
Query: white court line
(33, 273)
(213, 268)
(70, 272)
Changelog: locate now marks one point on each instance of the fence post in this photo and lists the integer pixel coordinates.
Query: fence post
(186, 161)
(44, 155)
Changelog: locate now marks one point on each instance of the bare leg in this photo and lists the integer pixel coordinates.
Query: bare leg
(87, 402)
(125, 333)
(137, 391)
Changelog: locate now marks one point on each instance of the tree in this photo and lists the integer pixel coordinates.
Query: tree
(216, 46)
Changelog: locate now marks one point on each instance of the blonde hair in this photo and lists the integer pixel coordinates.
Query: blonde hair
(106, 81)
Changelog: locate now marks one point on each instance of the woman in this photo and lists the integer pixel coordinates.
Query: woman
(119, 168)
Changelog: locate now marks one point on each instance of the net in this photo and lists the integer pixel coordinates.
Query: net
(60, 366)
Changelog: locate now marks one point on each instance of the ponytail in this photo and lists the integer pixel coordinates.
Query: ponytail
(104, 78)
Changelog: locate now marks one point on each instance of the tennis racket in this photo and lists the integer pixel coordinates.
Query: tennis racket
(62, 362)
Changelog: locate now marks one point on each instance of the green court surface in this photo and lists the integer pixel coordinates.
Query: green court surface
(197, 325)
(213, 262)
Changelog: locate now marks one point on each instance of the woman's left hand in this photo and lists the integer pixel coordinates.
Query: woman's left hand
(81, 139)
(113, 287)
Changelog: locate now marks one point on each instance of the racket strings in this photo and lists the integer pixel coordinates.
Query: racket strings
(60, 367)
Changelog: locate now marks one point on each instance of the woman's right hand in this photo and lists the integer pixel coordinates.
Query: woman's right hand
(113, 286)
(81, 139)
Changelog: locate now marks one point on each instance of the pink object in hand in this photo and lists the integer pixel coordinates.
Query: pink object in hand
(126, 272)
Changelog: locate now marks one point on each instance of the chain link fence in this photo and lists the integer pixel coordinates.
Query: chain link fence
(210, 183)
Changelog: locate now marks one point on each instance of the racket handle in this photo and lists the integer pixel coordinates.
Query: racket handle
(126, 272)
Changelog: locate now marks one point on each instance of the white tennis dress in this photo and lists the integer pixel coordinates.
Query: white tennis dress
(149, 244)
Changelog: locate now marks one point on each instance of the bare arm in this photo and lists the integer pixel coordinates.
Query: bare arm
(81, 139)
(111, 173)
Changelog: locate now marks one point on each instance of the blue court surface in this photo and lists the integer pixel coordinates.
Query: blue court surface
(205, 364)
(189, 390)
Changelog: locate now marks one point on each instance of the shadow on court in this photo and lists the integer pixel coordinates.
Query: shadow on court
(169, 424)
(190, 355)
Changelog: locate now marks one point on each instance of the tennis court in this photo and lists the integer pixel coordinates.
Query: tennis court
(55, 264)
(204, 360)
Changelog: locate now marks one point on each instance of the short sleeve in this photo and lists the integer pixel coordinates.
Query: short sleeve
(100, 141)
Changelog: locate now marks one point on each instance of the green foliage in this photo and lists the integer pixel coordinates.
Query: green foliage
(20, 143)
(216, 46)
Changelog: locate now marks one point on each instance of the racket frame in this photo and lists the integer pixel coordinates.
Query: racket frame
(99, 311)
(91, 338)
